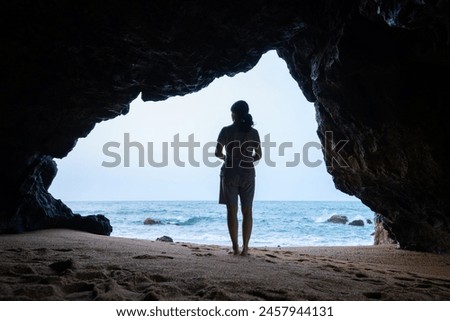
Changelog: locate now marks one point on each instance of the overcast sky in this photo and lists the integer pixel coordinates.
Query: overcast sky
(97, 169)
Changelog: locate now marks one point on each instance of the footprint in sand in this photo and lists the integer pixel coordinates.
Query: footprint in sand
(40, 251)
(62, 266)
(373, 295)
(270, 295)
(93, 274)
(152, 257)
(203, 254)
(22, 269)
(272, 256)
(158, 278)
(78, 287)
(197, 251)
(36, 292)
(62, 250)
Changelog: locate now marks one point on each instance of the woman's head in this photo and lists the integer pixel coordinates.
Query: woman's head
(241, 116)
(240, 108)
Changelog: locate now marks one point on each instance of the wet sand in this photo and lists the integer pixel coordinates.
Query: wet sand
(71, 265)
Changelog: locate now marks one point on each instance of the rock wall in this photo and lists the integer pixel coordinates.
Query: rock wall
(372, 68)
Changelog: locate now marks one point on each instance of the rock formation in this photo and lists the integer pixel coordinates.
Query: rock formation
(356, 223)
(150, 221)
(375, 70)
(165, 238)
(381, 235)
(338, 219)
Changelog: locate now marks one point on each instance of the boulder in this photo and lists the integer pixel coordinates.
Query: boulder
(338, 219)
(165, 239)
(356, 223)
(150, 221)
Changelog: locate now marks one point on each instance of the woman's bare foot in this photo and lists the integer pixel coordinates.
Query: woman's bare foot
(244, 252)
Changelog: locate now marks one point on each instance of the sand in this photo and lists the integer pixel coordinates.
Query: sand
(70, 265)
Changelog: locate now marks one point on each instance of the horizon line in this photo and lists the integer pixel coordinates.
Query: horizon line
(206, 200)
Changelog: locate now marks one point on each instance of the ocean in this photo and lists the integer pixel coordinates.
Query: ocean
(275, 223)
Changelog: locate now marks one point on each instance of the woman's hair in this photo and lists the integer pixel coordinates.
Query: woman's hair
(243, 119)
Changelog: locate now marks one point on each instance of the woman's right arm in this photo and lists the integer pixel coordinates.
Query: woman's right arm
(219, 151)
(220, 143)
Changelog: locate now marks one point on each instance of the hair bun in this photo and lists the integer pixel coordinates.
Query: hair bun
(243, 118)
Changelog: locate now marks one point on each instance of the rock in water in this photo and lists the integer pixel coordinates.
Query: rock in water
(339, 219)
(150, 221)
(356, 223)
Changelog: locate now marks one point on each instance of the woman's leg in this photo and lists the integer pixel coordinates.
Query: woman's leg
(247, 224)
(232, 221)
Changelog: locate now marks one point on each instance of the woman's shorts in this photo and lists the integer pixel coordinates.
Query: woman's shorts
(242, 187)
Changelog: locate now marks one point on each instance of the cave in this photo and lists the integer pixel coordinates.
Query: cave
(375, 71)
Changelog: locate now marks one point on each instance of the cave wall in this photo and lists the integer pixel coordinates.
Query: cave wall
(372, 69)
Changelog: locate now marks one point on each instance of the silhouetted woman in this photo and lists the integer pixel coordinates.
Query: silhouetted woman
(237, 176)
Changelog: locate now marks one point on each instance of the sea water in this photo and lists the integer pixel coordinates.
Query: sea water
(275, 223)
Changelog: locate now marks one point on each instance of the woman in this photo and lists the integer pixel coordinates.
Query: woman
(237, 178)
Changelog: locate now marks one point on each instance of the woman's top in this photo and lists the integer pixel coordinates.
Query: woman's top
(239, 148)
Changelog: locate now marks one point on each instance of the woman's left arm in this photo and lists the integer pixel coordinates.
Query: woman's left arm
(258, 153)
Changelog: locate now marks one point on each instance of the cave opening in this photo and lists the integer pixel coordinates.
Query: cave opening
(128, 168)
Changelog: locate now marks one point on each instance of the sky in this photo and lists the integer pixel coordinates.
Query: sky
(123, 158)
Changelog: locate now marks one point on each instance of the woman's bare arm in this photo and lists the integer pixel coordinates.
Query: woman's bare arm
(219, 154)
(258, 153)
